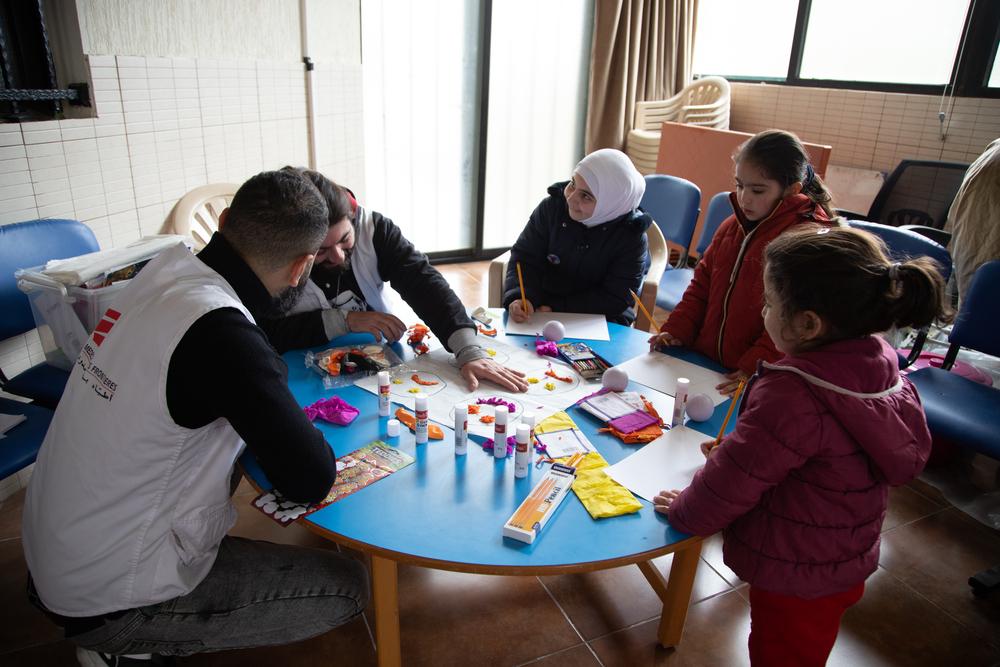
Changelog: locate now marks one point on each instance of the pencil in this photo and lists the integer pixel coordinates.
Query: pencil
(643, 309)
(520, 281)
(732, 405)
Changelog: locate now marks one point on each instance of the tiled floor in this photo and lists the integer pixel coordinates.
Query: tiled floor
(917, 609)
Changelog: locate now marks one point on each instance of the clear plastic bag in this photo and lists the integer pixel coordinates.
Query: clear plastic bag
(340, 366)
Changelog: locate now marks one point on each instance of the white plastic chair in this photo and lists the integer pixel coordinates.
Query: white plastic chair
(197, 213)
(703, 102)
(647, 291)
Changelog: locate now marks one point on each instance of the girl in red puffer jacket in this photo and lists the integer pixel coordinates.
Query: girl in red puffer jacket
(719, 314)
(800, 486)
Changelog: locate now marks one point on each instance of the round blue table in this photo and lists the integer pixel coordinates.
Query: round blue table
(446, 511)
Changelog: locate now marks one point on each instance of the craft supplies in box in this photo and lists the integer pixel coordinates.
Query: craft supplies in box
(69, 296)
(340, 366)
(535, 511)
(585, 361)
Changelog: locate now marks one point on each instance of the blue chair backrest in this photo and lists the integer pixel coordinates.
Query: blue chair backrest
(674, 204)
(904, 244)
(719, 209)
(978, 323)
(27, 244)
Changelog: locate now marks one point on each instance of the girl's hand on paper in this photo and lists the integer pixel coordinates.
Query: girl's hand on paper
(728, 388)
(663, 339)
(664, 499)
(519, 310)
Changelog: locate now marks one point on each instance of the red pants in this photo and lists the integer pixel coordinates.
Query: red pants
(787, 631)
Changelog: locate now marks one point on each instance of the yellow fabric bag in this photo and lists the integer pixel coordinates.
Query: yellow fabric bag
(601, 495)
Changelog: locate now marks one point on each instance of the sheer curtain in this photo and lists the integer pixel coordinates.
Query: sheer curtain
(537, 100)
(642, 50)
(419, 69)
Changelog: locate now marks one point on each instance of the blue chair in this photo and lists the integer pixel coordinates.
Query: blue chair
(23, 245)
(19, 446)
(905, 244)
(676, 281)
(959, 410)
(674, 205)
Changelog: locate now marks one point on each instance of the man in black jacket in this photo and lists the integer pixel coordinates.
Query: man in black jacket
(362, 251)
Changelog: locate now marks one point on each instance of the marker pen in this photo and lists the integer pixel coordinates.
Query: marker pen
(461, 428)
(500, 414)
(383, 393)
(522, 457)
(420, 408)
(680, 401)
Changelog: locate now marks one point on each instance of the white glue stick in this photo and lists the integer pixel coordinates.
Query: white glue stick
(522, 457)
(383, 393)
(500, 432)
(392, 428)
(680, 401)
(528, 419)
(461, 428)
(420, 408)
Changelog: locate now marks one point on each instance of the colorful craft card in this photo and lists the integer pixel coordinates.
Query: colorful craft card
(355, 471)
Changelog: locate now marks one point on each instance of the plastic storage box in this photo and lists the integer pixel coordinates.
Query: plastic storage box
(65, 316)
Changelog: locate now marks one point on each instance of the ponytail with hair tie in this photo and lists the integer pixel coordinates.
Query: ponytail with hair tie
(810, 175)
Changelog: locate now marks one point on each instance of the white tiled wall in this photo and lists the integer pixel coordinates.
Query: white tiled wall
(869, 130)
(163, 127)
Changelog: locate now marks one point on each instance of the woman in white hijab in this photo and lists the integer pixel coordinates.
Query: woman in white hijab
(584, 246)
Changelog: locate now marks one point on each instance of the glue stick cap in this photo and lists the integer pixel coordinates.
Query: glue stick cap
(393, 427)
(420, 401)
(523, 433)
(500, 413)
(383, 378)
(528, 419)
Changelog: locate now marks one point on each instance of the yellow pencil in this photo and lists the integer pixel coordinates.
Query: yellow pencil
(644, 311)
(732, 406)
(520, 281)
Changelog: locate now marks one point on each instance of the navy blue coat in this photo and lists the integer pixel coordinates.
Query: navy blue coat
(575, 269)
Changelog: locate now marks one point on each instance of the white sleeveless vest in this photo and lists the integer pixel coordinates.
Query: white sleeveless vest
(126, 508)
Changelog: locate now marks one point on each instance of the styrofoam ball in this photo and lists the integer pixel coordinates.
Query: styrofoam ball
(615, 379)
(700, 407)
(554, 331)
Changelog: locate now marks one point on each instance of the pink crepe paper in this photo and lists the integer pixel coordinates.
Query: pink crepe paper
(511, 442)
(496, 400)
(334, 410)
(546, 348)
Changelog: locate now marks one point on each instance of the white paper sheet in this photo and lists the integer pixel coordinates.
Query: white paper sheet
(544, 396)
(660, 371)
(669, 462)
(578, 325)
(564, 443)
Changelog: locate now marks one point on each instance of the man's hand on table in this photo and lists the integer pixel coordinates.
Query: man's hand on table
(487, 369)
(379, 325)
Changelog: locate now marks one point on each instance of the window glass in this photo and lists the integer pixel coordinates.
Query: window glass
(994, 81)
(891, 41)
(751, 39)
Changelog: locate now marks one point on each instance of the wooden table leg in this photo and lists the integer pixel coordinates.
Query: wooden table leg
(385, 595)
(675, 592)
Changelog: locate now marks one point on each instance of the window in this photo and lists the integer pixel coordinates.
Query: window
(915, 46)
(744, 39)
(898, 41)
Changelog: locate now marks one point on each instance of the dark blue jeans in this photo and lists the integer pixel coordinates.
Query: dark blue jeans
(257, 594)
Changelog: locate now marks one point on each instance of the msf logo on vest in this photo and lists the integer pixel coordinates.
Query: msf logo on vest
(102, 385)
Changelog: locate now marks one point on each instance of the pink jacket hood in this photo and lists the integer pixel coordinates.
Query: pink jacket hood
(859, 382)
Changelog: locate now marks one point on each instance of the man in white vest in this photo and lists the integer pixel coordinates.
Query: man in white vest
(363, 251)
(127, 513)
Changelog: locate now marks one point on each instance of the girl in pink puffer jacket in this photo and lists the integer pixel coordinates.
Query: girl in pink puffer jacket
(800, 486)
